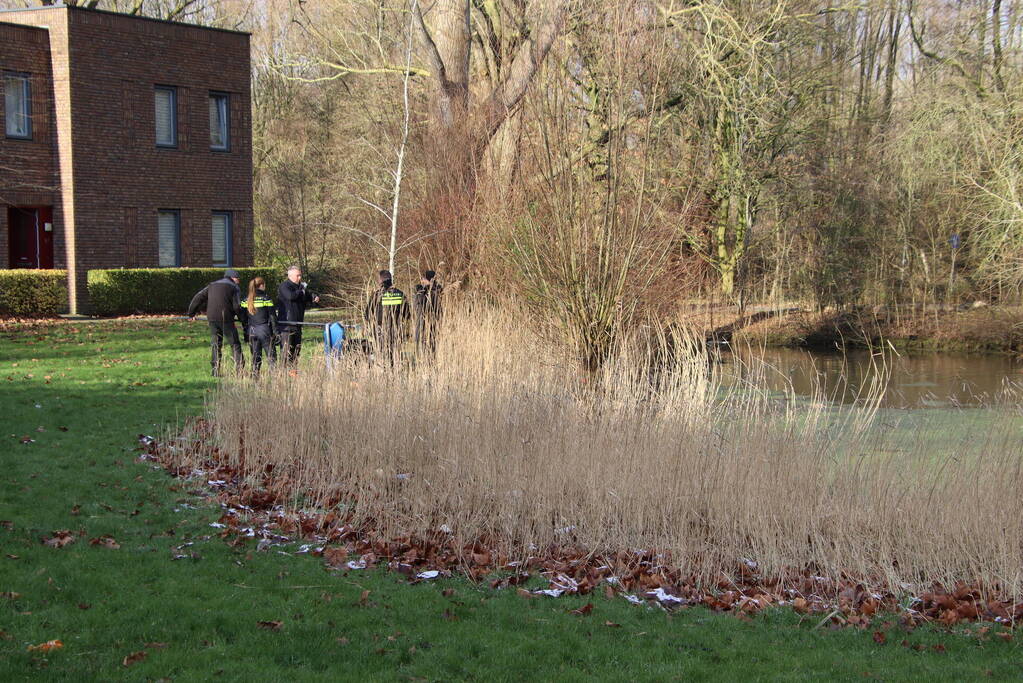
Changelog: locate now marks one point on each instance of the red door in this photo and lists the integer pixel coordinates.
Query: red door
(30, 237)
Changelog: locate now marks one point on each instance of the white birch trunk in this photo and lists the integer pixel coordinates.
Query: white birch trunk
(404, 139)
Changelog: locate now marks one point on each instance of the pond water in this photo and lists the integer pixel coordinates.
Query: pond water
(923, 380)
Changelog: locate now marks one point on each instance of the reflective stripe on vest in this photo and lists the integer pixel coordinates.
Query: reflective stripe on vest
(262, 303)
(390, 299)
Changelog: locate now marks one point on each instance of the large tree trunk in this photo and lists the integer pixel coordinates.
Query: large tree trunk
(448, 43)
(452, 38)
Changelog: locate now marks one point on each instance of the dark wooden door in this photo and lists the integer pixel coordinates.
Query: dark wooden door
(30, 237)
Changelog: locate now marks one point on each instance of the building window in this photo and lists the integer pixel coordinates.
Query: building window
(18, 106)
(222, 238)
(166, 116)
(168, 224)
(220, 122)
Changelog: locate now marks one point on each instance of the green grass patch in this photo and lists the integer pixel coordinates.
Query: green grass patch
(78, 394)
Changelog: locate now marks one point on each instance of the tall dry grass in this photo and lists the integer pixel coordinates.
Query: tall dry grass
(501, 437)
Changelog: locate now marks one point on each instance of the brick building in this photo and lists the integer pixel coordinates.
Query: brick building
(126, 143)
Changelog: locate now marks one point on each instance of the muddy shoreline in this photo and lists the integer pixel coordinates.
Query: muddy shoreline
(980, 329)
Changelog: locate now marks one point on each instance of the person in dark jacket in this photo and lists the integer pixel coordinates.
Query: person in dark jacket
(292, 298)
(262, 329)
(386, 314)
(428, 311)
(222, 302)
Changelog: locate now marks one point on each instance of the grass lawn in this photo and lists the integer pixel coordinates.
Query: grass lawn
(81, 392)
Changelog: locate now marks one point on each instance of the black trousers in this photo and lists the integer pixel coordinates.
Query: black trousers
(387, 344)
(426, 334)
(260, 341)
(291, 345)
(218, 331)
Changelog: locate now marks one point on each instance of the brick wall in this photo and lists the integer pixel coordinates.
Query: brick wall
(28, 168)
(114, 177)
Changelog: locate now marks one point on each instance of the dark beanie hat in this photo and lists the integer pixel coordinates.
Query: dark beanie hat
(231, 272)
(429, 274)
(384, 276)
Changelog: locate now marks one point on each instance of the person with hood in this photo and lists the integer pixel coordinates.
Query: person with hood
(428, 311)
(292, 298)
(386, 313)
(222, 302)
(262, 329)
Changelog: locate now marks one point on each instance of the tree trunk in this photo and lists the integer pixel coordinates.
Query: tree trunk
(452, 36)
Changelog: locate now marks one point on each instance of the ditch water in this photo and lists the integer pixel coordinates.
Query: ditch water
(924, 380)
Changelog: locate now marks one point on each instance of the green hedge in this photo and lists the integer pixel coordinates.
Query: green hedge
(124, 291)
(33, 293)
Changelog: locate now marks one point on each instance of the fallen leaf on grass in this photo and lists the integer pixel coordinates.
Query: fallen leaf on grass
(949, 617)
(4, 635)
(106, 542)
(523, 593)
(1004, 635)
(880, 638)
(84, 605)
(582, 611)
(10, 595)
(270, 625)
(342, 641)
(6, 524)
(364, 598)
(611, 624)
(76, 510)
(448, 592)
(335, 557)
(450, 616)
(59, 539)
(938, 648)
(134, 658)
(46, 647)
(156, 646)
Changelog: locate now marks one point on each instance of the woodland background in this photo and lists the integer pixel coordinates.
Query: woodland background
(603, 160)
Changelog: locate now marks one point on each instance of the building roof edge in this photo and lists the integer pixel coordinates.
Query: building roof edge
(75, 8)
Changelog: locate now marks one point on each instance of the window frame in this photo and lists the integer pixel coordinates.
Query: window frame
(173, 90)
(26, 93)
(228, 237)
(226, 97)
(177, 237)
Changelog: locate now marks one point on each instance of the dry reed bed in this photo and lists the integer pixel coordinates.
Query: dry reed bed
(499, 438)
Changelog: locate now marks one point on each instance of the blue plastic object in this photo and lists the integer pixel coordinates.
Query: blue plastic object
(333, 341)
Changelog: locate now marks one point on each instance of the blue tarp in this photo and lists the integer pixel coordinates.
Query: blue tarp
(333, 341)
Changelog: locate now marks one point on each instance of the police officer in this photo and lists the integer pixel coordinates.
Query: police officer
(262, 329)
(428, 311)
(222, 303)
(292, 298)
(386, 313)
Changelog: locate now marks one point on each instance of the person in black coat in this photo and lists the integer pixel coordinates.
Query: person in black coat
(222, 302)
(292, 298)
(427, 303)
(386, 313)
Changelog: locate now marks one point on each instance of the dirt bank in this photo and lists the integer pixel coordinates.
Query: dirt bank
(981, 328)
